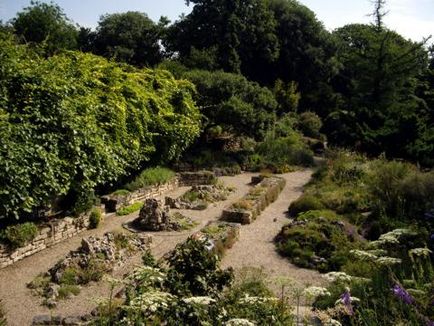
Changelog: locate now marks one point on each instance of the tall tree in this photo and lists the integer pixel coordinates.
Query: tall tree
(47, 24)
(306, 56)
(377, 84)
(241, 31)
(130, 37)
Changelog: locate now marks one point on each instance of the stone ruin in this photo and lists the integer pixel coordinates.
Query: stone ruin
(154, 216)
(205, 194)
(105, 249)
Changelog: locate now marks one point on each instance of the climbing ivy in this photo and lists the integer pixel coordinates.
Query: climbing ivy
(75, 121)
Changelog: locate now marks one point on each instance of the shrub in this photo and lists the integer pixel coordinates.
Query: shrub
(303, 204)
(309, 124)
(322, 242)
(129, 209)
(65, 291)
(19, 235)
(151, 177)
(194, 270)
(95, 218)
(121, 192)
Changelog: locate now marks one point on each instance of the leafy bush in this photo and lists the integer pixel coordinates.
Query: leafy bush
(151, 177)
(90, 123)
(303, 204)
(95, 218)
(281, 151)
(309, 124)
(194, 270)
(129, 209)
(20, 234)
(321, 241)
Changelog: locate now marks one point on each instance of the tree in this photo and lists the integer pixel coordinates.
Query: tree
(377, 84)
(240, 31)
(45, 24)
(306, 55)
(129, 37)
(232, 102)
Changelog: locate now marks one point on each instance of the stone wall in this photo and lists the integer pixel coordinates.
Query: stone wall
(272, 187)
(113, 202)
(197, 178)
(61, 229)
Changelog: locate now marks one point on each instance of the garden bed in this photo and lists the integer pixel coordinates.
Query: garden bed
(247, 209)
(94, 258)
(198, 197)
(222, 235)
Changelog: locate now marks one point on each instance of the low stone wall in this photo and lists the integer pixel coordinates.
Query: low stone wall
(113, 202)
(62, 229)
(48, 235)
(262, 195)
(197, 178)
(62, 320)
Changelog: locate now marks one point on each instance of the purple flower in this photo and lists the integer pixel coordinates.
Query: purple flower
(402, 294)
(346, 300)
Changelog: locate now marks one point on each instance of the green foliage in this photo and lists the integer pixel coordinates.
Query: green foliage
(310, 124)
(234, 37)
(303, 204)
(392, 282)
(120, 192)
(19, 235)
(76, 121)
(379, 107)
(47, 25)
(194, 270)
(129, 37)
(129, 209)
(287, 96)
(66, 291)
(278, 152)
(95, 218)
(321, 241)
(400, 190)
(231, 101)
(151, 177)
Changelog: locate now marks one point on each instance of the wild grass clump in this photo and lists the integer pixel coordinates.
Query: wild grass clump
(303, 204)
(129, 209)
(150, 177)
(95, 218)
(19, 235)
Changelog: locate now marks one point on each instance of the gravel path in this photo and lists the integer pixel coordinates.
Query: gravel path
(254, 248)
(20, 305)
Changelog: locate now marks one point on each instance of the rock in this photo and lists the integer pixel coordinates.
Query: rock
(154, 216)
(41, 320)
(72, 321)
(50, 303)
(52, 291)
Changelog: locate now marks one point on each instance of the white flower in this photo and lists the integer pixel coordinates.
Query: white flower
(239, 322)
(315, 291)
(420, 252)
(199, 300)
(150, 301)
(251, 300)
(363, 255)
(337, 277)
(388, 261)
(391, 237)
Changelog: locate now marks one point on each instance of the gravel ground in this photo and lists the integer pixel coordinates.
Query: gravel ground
(254, 248)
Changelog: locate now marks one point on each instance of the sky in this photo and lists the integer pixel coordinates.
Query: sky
(413, 19)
